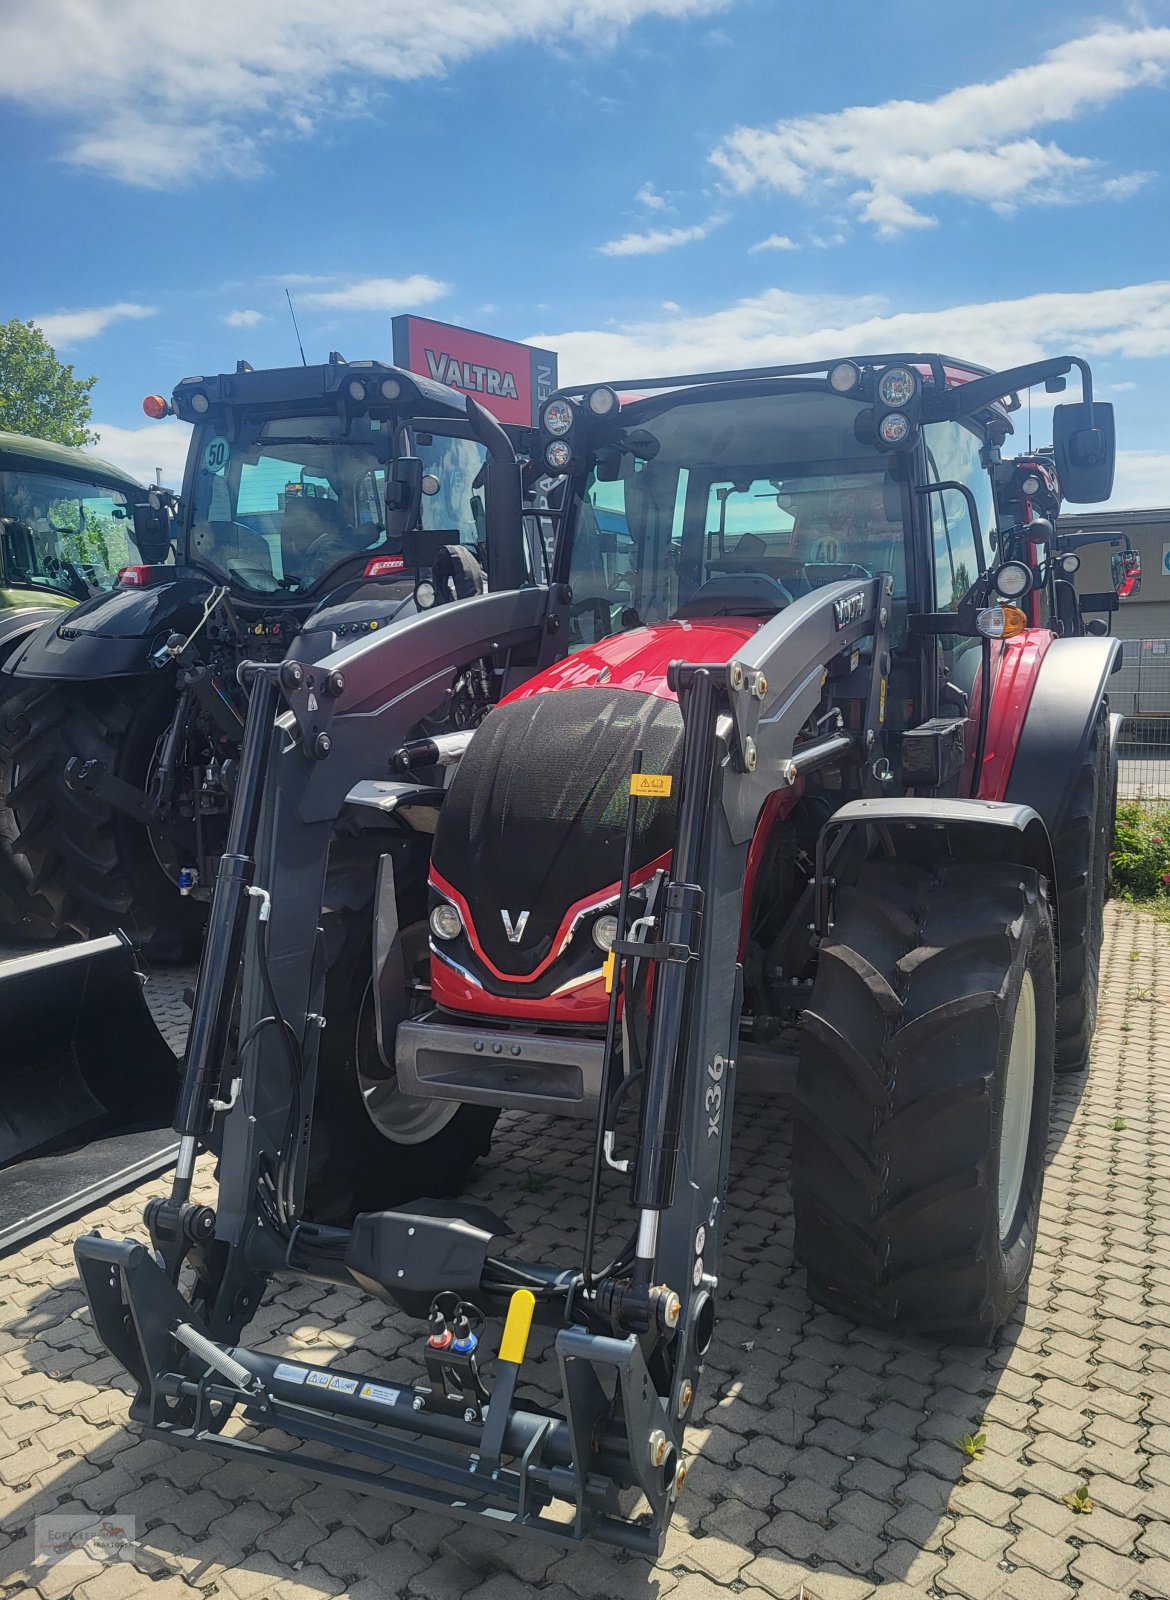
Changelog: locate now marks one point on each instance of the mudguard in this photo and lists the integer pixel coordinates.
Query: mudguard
(1003, 830)
(1072, 683)
(112, 635)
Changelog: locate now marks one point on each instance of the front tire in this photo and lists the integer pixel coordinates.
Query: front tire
(372, 1146)
(923, 1096)
(93, 868)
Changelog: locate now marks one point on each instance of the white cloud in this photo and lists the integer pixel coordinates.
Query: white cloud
(656, 240)
(140, 450)
(779, 326)
(649, 198)
(774, 241)
(975, 141)
(175, 92)
(244, 319)
(70, 327)
(380, 294)
(1142, 479)
(671, 305)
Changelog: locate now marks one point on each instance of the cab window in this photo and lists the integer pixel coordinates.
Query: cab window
(954, 454)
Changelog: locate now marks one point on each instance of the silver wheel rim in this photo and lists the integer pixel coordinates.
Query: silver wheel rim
(399, 1118)
(1017, 1106)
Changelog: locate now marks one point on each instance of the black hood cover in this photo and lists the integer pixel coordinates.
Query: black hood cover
(535, 818)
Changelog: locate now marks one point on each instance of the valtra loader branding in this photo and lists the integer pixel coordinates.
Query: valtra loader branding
(511, 379)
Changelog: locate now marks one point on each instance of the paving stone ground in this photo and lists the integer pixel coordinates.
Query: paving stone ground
(825, 1462)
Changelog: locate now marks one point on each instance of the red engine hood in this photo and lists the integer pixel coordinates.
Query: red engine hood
(638, 660)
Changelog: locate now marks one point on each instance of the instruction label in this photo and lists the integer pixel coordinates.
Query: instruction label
(291, 1374)
(343, 1385)
(650, 785)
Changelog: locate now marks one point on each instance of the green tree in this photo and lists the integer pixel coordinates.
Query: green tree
(40, 395)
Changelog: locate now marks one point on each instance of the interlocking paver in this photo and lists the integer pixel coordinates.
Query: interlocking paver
(822, 1456)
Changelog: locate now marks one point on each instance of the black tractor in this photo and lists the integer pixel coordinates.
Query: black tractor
(319, 504)
(65, 531)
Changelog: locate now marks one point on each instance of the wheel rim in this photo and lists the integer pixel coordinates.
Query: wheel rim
(399, 1118)
(1017, 1106)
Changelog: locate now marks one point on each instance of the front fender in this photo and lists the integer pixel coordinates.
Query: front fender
(1070, 687)
(994, 830)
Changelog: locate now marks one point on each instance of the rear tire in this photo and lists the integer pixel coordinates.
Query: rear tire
(371, 1147)
(93, 868)
(915, 1121)
(1081, 852)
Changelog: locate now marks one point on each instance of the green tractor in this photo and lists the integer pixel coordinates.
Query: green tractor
(66, 529)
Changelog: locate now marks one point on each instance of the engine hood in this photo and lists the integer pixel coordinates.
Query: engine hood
(639, 659)
(533, 826)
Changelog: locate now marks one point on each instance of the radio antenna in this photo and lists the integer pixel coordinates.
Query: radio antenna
(296, 330)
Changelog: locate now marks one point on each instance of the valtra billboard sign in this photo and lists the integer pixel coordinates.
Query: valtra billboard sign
(510, 379)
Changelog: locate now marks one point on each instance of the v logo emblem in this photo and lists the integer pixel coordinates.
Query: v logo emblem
(515, 931)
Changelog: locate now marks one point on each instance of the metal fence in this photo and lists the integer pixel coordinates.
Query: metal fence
(1140, 691)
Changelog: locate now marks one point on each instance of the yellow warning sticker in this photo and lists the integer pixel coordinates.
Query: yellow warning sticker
(650, 785)
(882, 702)
(608, 967)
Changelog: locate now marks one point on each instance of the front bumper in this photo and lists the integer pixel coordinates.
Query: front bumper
(522, 1070)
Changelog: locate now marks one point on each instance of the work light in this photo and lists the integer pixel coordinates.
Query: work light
(558, 455)
(897, 386)
(446, 923)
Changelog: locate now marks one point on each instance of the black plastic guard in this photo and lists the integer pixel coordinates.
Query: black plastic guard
(409, 1257)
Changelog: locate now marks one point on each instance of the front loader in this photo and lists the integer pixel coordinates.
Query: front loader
(795, 778)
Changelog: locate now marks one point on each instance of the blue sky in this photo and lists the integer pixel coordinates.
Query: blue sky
(643, 185)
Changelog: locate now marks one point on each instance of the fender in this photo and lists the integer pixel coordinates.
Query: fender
(112, 635)
(1003, 830)
(1070, 687)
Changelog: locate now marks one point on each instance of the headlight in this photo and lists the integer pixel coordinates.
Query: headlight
(603, 401)
(1031, 484)
(446, 923)
(897, 386)
(391, 388)
(1013, 580)
(357, 389)
(199, 402)
(558, 417)
(605, 931)
(424, 595)
(1070, 563)
(558, 455)
(844, 377)
(894, 428)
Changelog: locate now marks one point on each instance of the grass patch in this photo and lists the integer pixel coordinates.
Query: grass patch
(1141, 856)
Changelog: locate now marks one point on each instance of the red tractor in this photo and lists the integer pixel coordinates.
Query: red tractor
(798, 775)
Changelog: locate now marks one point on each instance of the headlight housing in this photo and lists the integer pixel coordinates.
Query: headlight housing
(446, 923)
(558, 455)
(897, 386)
(605, 931)
(557, 418)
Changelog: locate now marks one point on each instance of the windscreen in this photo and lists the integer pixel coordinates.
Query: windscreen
(63, 534)
(734, 505)
(286, 501)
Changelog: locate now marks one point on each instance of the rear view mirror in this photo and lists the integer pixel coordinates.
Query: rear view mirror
(404, 489)
(1127, 573)
(152, 529)
(1084, 443)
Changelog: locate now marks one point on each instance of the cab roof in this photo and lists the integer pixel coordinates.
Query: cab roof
(20, 450)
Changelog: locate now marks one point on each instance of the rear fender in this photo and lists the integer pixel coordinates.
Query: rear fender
(1070, 688)
(991, 830)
